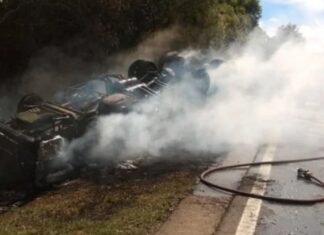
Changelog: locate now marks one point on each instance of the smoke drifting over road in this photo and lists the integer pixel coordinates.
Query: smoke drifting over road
(268, 92)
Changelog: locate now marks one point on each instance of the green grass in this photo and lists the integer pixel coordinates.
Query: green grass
(133, 206)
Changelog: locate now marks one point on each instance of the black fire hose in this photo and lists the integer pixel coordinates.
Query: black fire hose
(301, 173)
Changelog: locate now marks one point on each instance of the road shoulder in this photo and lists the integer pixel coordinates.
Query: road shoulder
(201, 213)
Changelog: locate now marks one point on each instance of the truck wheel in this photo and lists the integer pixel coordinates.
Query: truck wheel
(175, 62)
(172, 60)
(140, 68)
(28, 102)
(202, 80)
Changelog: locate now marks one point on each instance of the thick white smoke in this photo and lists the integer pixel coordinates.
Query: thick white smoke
(265, 93)
(309, 15)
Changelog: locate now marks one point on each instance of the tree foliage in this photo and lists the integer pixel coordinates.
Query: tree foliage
(94, 29)
(287, 33)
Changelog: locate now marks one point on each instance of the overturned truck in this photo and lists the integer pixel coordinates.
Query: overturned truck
(30, 142)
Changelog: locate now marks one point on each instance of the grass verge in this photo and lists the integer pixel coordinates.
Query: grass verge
(131, 205)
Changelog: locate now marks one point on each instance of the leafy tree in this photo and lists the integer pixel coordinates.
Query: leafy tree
(289, 32)
(94, 29)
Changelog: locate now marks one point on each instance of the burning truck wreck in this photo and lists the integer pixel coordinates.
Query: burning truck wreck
(30, 143)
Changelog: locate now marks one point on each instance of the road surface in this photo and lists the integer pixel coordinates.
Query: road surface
(247, 216)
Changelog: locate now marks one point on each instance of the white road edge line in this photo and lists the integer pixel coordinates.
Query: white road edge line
(250, 216)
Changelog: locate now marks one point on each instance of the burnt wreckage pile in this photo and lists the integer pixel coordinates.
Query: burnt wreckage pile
(30, 142)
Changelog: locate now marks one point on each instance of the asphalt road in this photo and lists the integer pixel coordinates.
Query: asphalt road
(288, 219)
(246, 216)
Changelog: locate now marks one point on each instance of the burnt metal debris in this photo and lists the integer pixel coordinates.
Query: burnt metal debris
(30, 143)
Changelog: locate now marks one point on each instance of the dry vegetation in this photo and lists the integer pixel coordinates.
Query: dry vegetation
(133, 204)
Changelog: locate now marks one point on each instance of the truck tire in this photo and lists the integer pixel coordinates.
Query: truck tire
(28, 102)
(171, 60)
(140, 68)
(202, 81)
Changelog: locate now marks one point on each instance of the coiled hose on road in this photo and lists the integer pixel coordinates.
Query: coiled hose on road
(302, 173)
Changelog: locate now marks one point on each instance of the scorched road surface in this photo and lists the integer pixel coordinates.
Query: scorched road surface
(253, 216)
(247, 216)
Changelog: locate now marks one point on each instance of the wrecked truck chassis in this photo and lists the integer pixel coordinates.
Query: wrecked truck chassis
(27, 161)
(24, 159)
(31, 160)
(34, 161)
(17, 157)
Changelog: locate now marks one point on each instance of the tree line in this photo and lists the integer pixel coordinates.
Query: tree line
(94, 29)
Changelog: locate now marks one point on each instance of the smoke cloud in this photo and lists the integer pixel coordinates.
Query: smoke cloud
(151, 49)
(309, 15)
(261, 94)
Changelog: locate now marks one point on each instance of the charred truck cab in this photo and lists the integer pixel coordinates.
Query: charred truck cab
(30, 143)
